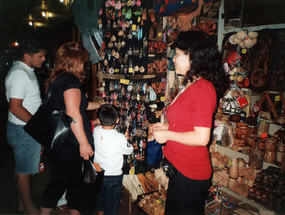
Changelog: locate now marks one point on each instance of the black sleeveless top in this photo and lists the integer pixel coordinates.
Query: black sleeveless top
(65, 82)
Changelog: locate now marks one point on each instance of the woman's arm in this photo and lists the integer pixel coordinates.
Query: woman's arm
(72, 100)
(199, 137)
(95, 105)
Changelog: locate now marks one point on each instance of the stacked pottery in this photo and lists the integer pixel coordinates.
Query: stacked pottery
(233, 173)
(280, 153)
(270, 150)
(256, 157)
(242, 133)
(240, 163)
(263, 127)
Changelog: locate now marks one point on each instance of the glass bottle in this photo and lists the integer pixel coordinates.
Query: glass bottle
(256, 157)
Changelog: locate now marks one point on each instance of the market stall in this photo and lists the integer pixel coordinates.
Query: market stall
(136, 73)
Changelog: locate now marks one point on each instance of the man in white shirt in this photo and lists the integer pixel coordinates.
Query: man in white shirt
(23, 95)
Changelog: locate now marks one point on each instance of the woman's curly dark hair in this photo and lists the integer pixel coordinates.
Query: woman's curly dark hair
(206, 59)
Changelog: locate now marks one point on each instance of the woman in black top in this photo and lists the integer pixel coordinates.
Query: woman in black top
(66, 164)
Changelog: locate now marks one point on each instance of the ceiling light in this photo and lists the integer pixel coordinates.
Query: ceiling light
(15, 44)
(31, 20)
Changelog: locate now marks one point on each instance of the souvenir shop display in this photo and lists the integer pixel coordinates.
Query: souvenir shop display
(133, 72)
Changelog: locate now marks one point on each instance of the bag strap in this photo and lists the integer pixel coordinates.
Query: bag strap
(50, 91)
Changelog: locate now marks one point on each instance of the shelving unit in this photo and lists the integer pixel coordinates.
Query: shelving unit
(233, 154)
(222, 30)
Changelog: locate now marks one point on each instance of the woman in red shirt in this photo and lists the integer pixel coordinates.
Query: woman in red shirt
(189, 116)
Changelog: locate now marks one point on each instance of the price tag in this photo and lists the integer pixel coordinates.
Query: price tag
(134, 27)
(277, 98)
(159, 34)
(132, 170)
(162, 98)
(117, 70)
(124, 81)
(131, 70)
(243, 51)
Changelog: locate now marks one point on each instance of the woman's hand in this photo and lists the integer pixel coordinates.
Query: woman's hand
(160, 136)
(159, 126)
(85, 151)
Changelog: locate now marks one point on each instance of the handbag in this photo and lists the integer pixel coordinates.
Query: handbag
(49, 127)
(90, 187)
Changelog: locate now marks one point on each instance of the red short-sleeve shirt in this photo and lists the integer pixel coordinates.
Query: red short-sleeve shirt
(193, 108)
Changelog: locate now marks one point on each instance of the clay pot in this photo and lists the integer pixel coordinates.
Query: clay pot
(232, 182)
(263, 127)
(251, 139)
(270, 144)
(281, 146)
(280, 157)
(242, 133)
(240, 163)
(233, 172)
(240, 179)
(269, 157)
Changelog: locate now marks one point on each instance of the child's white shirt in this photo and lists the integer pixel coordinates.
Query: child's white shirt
(110, 146)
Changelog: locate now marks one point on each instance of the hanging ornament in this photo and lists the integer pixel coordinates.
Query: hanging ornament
(107, 3)
(139, 3)
(118, 5)
(129, 3)
(129, 14)
(113, 3)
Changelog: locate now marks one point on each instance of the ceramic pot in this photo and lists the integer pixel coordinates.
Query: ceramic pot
(270, 144)
(233, 172)
(280, 157)
(281, 146)
(232, 182)
(269, 157)
(256, 157)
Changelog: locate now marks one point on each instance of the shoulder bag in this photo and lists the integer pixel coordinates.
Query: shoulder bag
(49, 127)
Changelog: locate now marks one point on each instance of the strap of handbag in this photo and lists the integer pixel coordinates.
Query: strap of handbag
(49, 93)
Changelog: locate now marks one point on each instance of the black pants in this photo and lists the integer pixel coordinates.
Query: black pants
(66, 175)
(186, 196)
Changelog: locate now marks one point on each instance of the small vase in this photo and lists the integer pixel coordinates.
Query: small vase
(256, 157)
(270, 144)
(233, 173)
(270, 157)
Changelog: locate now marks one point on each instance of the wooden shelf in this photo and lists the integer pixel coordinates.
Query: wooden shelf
(243, 199)
(233, 154)
(133, 77)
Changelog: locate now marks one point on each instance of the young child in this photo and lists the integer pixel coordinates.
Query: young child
(110, 146)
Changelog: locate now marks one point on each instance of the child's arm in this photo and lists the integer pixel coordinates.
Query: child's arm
(127, 147)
